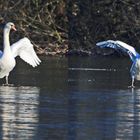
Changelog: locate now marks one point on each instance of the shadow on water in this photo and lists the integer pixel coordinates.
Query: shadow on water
(71, 98)
(100, 72)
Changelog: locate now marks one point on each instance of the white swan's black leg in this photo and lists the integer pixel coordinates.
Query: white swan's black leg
(7, 82)
(6, 78)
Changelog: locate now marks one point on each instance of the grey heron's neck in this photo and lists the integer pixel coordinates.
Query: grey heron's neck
(6, 43)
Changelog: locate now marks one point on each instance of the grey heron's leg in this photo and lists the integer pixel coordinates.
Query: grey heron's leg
(132, 82)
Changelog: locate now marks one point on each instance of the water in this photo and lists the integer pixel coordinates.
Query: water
(71, 98)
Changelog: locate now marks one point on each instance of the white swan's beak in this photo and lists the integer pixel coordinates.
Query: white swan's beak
(13, 27)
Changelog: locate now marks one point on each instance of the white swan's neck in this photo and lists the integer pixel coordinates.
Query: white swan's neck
(6, 42)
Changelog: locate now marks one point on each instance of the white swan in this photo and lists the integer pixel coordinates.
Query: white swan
(22, 48)
(134, 56)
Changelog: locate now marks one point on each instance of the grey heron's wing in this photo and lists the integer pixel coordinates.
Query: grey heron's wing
(1, 54)
(119, 45)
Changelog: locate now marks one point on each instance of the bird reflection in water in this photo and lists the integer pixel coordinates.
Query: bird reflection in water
(128, 116)
(18, 112)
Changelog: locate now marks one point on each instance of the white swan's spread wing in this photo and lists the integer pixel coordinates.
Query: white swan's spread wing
(24, 49)
(119, 45)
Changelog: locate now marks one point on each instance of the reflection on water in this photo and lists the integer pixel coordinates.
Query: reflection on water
(105, 114)
(18, 112)
(79, 98)
(128, 116)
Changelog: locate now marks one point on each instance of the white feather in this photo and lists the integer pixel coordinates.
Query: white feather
(24, 49)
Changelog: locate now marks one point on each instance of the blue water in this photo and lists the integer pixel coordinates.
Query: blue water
(71, 98)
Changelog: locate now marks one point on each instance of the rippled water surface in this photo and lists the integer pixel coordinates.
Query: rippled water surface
(71, 98)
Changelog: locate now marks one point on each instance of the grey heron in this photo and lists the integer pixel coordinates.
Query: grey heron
(134, 56)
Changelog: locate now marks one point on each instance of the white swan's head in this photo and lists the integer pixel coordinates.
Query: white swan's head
(10, 26)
